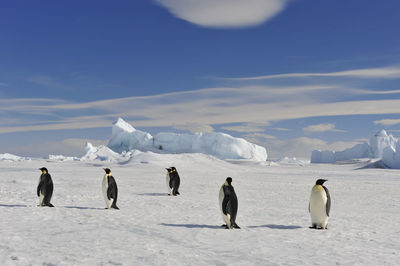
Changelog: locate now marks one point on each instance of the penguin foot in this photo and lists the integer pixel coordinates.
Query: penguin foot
(236, 226)
(225, 226)
(115, 207)
(177, 193)
(49, 205)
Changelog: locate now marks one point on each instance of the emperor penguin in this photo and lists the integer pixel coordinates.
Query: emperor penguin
(45, 188)
(173, 181)
(320, 205)
(110, 190)
(228, 204)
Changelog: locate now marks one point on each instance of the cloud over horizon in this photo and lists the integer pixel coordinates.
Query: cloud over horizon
(225, 13)
(214, 106)
(392, 72)
(321, 128)
(387, 122)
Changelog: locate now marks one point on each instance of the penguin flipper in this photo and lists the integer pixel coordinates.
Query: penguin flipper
(39, 186)
(112, 188)
(225, 205)
(328, 202)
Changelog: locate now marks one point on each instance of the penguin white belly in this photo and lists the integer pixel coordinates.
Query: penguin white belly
(226, 218)
(41, 197)
(318, 202)
(168, 178)
(105, 188)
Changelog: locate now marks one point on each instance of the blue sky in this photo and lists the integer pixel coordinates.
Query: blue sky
(289, 75)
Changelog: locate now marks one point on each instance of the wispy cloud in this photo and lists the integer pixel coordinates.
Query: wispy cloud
(241, 108)
(194, 128)
(216, 106)
(225, 13)
(387, 122)
(44, 80)
(247, 127)
(392, 72)
(303, 146)
(66, 147)
(280, 129)
(322, 128)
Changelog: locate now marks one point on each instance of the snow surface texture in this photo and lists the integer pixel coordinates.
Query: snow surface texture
(152, 228)
(381, 145)
(125, 138)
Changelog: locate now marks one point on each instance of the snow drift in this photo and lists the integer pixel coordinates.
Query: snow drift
(381, 146)
(126, 138)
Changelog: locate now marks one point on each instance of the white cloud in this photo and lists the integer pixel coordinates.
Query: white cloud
(248, 127)
(66, 147)
(194, 128)
(387, 122)
(280, 129)
(303, 146)
(225, 13)
(212, 106)
(321, 128)
(366, 73)
(259, 138)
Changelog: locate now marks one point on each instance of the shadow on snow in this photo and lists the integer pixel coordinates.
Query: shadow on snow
(193, 226)
(277, 226)
(153, 194)
(13, 205)
(82, 208)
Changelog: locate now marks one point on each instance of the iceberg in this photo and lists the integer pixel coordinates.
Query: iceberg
(381, 145)
(126, 138)
(12, 158)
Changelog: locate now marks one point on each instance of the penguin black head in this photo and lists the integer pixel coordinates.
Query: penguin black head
(108, 171)
(229, 180)
(43, 169)
(170, 170)
(320, 182)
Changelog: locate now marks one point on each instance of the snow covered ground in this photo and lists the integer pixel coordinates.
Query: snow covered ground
(152, 228)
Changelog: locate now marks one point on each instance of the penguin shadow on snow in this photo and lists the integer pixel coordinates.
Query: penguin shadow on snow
(191, 226)
(13, 205)
(153, 194)
(82, 208)
(276, 226)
